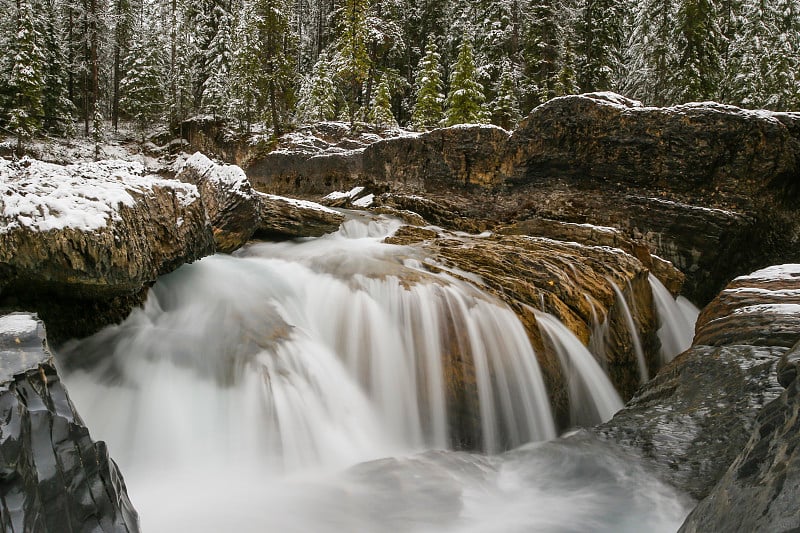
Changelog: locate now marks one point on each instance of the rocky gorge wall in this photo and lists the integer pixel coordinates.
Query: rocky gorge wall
(714, 189)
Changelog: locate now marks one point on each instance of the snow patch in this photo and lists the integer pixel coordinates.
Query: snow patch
(85, 196)
(769, 309)
(338, 195)
(18, 324)
(303, 204)
(366, 201)
(231, 177)
(789, 271)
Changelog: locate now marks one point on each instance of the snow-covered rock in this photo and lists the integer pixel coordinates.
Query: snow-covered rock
(229, 200)
(89, 234)
(289, 218)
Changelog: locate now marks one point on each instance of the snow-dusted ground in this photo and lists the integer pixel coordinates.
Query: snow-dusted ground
(45, 196)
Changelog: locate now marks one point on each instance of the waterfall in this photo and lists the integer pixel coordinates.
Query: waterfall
(593, 398)
(644, 376)
(318, 386)
(676, 319)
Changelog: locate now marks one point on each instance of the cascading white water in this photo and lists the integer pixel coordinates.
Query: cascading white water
(644, 375)
(593, 398)
(234, 397)
(676, 318)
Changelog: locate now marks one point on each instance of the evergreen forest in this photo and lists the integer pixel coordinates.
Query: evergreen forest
(82, 66)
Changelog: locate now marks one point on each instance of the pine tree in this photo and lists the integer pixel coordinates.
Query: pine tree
(541, 53)
(143, 87)
(429, 98)
(317, 100)
(216, 89)
(465, 99)
(27, 74)
(697, 72)
(264, 69)
(599, 44)
(381, 110)
(57, 107)
(764, 65)
(650, 55)
(351, 62)
(505, 107)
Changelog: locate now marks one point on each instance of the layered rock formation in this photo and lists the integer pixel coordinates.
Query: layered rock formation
(79, 243)
(574, 282)
(760, 490)
(53, 477)
(694, 418)
(713, 189)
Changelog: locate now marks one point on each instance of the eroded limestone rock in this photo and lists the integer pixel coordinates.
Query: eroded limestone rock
(80, 243)
(229, 200)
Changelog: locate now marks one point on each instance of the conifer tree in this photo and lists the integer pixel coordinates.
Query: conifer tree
(429, 98)
(351, 61)
(505, 107)
(541, 53)
(317, 100)
(27, 74)
(697, 72)
(465, 99)
(599, 44)
(381, 110)
(265, 66)
(57, 107)
(143, 87)
(650, 55)
(764, 64)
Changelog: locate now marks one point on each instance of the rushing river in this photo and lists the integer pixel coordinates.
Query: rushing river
(308, 387)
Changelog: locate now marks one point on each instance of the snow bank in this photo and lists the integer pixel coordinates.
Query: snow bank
(85, 196)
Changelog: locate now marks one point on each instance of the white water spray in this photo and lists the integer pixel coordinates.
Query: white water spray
(593, 398)
(676, 321)
(644, 375)
(234, 397)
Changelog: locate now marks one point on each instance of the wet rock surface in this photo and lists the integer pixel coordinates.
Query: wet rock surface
(571, 281)
(53, 477)
(695, 417)
(760, 490)
(90, 238)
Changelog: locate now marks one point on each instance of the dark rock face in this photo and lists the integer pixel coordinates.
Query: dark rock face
(695, 417)
(714, 189)
(760, 490)
(53, 477)
(92, 237)
(647, 171)
(228, 198)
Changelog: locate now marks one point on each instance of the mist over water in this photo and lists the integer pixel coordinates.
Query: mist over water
(306, 387)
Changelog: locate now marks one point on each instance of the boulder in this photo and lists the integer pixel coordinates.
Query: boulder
(53, 476)
(229, 200)
(696, 416)
(714, 189)
(288, 218)
(80, 243)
